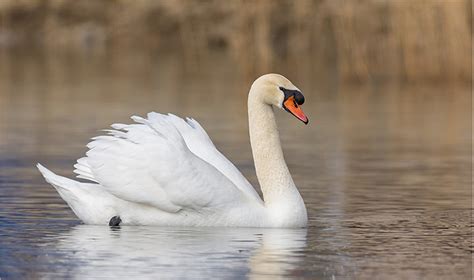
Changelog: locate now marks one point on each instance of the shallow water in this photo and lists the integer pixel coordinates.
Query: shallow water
(385, 172)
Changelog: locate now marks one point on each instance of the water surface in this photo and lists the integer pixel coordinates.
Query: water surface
(385, 172)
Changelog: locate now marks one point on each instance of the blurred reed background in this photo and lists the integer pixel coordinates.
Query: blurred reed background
(351, 41)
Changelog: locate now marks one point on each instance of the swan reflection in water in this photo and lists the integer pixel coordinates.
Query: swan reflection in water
(97, 251)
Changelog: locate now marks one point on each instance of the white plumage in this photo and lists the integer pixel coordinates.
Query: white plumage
(164, 170)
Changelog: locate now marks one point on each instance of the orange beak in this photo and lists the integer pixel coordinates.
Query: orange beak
(291, 106)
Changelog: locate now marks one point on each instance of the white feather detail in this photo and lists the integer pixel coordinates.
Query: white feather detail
(162, 161)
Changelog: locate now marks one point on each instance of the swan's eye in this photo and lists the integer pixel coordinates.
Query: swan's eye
(299, 98)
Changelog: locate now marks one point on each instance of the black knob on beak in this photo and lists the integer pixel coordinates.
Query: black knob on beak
(299, 98)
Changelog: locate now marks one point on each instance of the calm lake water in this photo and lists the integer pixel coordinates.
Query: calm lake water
(385, 172)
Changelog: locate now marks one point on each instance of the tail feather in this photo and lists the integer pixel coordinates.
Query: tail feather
(57, 181)
(89, 201)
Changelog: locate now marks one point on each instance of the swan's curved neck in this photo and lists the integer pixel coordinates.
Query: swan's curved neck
(272, 172)
(273, 175)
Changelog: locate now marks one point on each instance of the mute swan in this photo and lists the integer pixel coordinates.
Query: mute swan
(164, 170)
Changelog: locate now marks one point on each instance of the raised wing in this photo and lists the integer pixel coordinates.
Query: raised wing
(201, 145)
(149, 162)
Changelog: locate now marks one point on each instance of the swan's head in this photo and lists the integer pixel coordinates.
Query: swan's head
(276, 90)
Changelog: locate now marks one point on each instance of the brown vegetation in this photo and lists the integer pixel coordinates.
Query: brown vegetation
(426, 40)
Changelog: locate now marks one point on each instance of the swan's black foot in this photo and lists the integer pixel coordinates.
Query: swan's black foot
(115, 221)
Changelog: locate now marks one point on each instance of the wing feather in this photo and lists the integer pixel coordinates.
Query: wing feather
(201, 145)
(150, 162)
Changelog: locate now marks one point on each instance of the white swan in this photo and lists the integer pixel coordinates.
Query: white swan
(164, 170)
